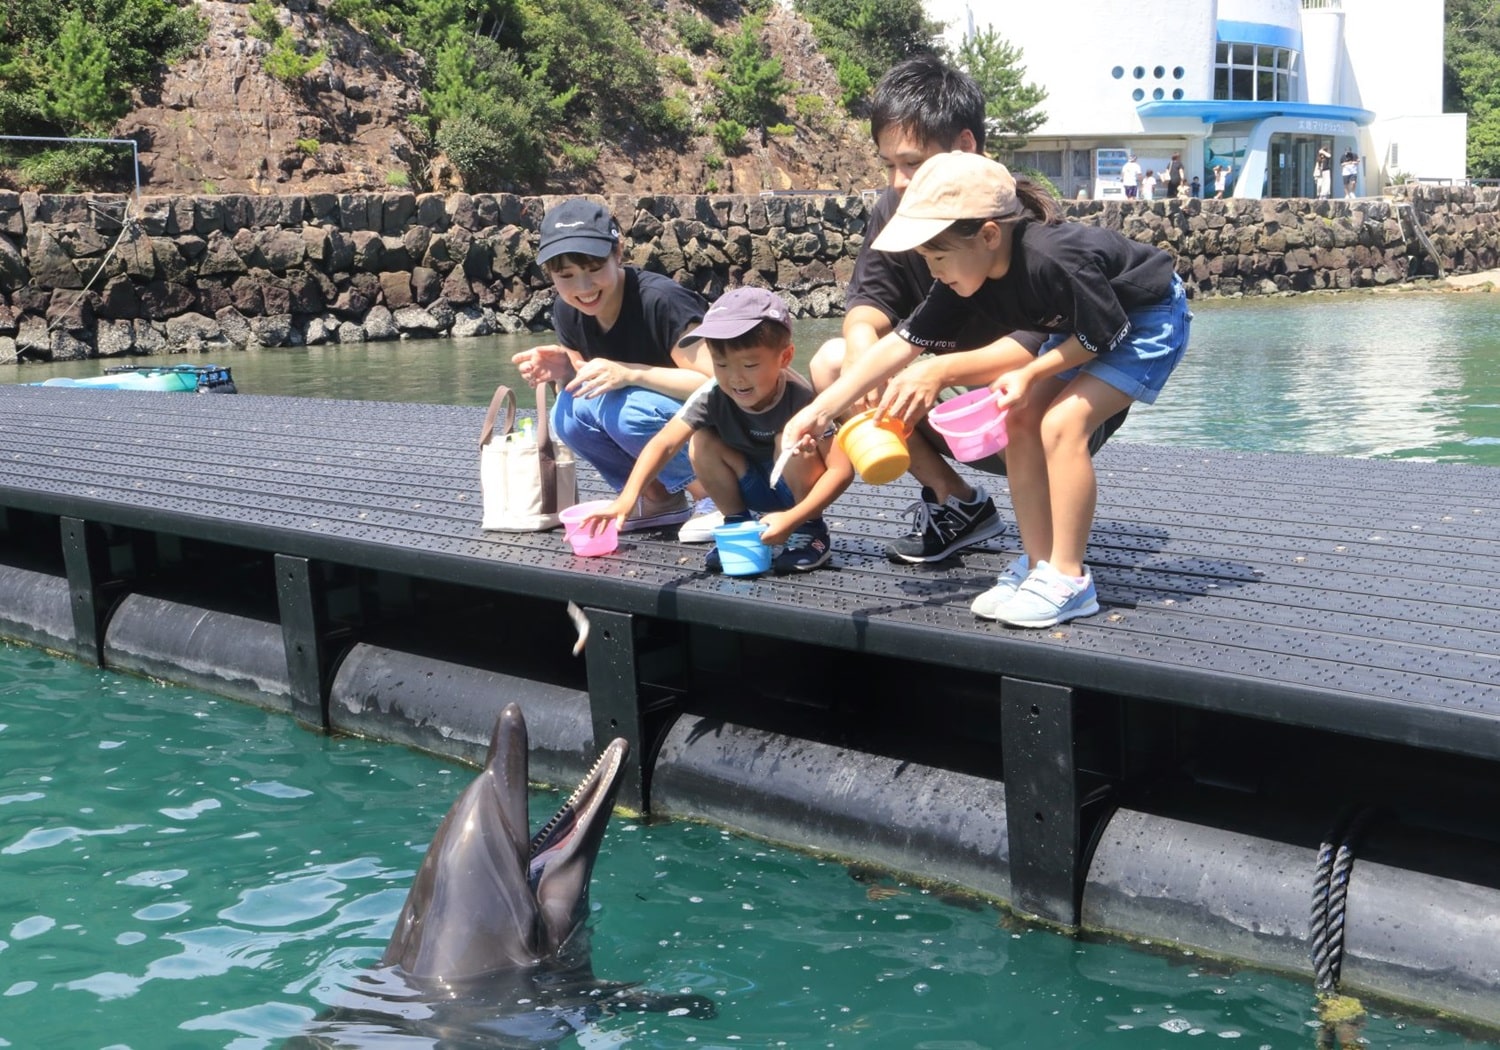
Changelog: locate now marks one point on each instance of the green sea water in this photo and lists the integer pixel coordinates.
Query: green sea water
(182, 871)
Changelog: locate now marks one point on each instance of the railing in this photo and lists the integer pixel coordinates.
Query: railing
(135, 156)
(1322, 5)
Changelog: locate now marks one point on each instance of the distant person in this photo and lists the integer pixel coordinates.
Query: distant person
(1221, 180)
(1148, 185)
(921, 108)
(1323, 173)
(1195, 188)
(731, 427)
(1119, 319)
(1176, 177)
(619, 372)
(1130, 177)
(1349, 170)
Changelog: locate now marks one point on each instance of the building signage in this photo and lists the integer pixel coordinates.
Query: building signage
(1326, 127)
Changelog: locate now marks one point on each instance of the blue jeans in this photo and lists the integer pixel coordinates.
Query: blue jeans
(1141, 362)
(610, 432)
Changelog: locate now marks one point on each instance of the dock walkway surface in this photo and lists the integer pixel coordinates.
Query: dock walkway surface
(1297, 661)
(1354, 595)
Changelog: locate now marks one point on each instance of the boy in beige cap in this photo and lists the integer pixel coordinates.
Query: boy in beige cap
(1118, 318)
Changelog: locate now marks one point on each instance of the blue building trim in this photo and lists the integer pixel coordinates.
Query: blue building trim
(1223, 111)
(1260, 33)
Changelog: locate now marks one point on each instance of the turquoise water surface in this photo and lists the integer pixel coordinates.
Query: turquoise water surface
(178, 870)
(185, 871)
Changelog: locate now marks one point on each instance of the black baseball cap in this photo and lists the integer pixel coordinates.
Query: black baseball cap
(578, 225)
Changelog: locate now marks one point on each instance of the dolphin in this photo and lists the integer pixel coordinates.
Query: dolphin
(491, 947)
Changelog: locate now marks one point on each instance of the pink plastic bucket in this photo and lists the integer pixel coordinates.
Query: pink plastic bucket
(972, 424)
(586, 543)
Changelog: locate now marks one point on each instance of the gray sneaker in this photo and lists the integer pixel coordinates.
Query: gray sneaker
(654, 514)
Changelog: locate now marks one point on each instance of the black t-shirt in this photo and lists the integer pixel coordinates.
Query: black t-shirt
(1070, 277)
(895, 283)
(753, 433)
(655, 313)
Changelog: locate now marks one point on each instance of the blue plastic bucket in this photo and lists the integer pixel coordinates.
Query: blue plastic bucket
(740, 549)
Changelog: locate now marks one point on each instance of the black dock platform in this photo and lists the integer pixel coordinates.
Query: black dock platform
(1296, 652)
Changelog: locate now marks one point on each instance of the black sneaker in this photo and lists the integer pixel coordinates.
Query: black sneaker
(806, 548)
(939, 529)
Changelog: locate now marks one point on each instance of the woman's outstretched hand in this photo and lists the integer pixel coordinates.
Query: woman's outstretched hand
(544, 364)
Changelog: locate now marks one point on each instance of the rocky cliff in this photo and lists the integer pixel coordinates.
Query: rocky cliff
(218, 123)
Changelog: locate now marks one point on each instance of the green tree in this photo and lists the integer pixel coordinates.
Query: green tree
(1010, 104)
(588, 47)
(50, 66)
(871, 34)
(751, 84)
(1471, 78)
(78, 89)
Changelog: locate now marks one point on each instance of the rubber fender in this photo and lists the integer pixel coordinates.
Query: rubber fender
(1210, 886)
(1423, 920)
(927, 822)
(450, 709)
(36, 608)
(220, 652)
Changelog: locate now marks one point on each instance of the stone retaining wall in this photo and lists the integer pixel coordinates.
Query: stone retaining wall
(86, 276)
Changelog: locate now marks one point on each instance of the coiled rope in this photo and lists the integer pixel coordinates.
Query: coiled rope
(1330, 896)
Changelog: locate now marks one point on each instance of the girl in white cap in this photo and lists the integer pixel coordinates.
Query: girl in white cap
(1118, 317)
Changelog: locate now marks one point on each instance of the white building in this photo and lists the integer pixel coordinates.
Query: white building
(1255, 85)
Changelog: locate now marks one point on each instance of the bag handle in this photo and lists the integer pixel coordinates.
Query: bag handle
(546, 452)
(503, 398)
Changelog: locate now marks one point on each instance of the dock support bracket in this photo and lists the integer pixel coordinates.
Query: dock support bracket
(1043, 806)
(86, 558)
(304, 634)
(615, 699)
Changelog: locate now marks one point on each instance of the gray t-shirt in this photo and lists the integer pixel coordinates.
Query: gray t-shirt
(753, 433)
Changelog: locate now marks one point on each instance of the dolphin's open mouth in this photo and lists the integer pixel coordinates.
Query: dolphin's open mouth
(590, 801)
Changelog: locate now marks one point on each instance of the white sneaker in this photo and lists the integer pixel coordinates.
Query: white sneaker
(700, 527)
(987, 605)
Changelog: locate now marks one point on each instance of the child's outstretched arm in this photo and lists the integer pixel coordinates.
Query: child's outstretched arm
(884, 360)
(668, 441)
(829, 486)
(911, 393)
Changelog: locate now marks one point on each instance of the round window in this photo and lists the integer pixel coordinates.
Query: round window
(1117, 72)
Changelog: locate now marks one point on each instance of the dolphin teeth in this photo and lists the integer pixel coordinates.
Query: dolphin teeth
(566, 810)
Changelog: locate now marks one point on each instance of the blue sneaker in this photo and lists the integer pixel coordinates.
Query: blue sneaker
(806, 548)
(989, 603)
(1047, 597)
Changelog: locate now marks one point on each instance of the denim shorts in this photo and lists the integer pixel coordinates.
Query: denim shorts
(756, 490)
(1140, 364)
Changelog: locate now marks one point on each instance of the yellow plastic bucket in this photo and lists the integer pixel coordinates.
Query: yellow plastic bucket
(876, 447)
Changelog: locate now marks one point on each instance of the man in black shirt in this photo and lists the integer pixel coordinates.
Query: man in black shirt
(921, 108)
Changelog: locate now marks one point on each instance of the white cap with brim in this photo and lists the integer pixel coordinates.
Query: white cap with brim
(945, 189)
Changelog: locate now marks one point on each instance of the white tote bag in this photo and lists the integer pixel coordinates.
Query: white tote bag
(526, 478)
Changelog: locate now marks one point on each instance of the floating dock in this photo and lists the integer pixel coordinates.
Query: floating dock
(1278, 741)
